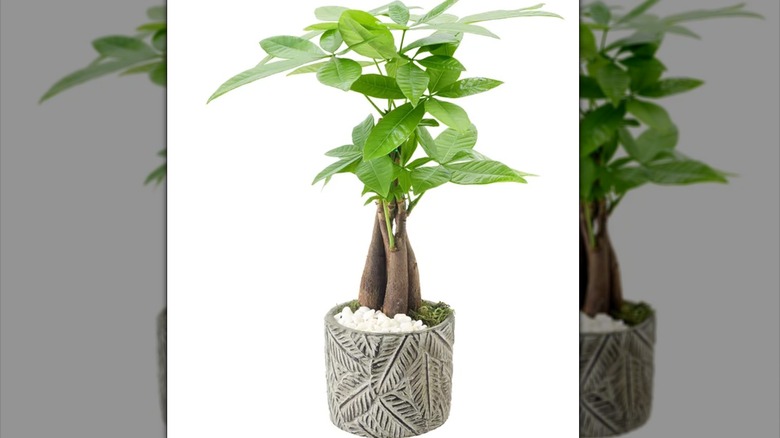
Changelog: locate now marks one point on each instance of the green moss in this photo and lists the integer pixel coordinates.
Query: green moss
(431, 314)
(353, 305)
(633, 313)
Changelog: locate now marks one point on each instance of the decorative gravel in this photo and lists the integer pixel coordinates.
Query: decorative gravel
(601, 323)
(375, 321)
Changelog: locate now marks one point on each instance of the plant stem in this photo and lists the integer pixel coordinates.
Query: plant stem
(390, 236)
(413, 203)
(374, 105)
(615, 203)
(403, 35)
(604, 39)
(589, 225)
(378, 68)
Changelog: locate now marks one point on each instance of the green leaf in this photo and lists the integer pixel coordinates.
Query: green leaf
(637, 11)
(258, 72)
(152, 27)
(436, 11)
(426, 178)
(412, 81)
(588, 48)
(143, 68)
(447, 49)
(435, 39)
(649, 145)
(123, 47)
(613, 81)
(670, 86)
(291, 47)
(588, 175)
(627, 178)
(468, 87)
(346, 151)
(589, 88)
(331, 40)
(451, 142)
(160, 40)
(438, 62)
(361, 132)
(93, 71)
(450, 114)
(392, 130)
(636, 39)
(681, 172)
(482, 172)
(399, 13)
(377, 174)
(335, 168)
(427, 142)
(419, 162)
(460, 27)
(314, 68)
(643, 72)
(379, 86)
(429, 122)
(366, 35)
(159, 75)
(322, 26)
(156, 13)
(651, 114)
(329, 13)
(702, 14)
(441, 79)
(404, 180)
(530, 11)
(339, 73)
(600, 13)
(158, 175)
(598, 126)
(408, 148)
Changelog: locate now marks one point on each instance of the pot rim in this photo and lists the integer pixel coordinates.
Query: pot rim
(329, 320)
(630, 329)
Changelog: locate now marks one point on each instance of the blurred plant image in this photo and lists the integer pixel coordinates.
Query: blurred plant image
(627, 140)
(143, 53)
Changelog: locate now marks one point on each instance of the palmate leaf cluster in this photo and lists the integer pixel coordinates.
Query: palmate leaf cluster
(142, 53)
(403, 62)
(626, 138)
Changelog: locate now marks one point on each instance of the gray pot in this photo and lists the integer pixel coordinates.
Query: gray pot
(162, 361)
(391, 385)
(616, 379)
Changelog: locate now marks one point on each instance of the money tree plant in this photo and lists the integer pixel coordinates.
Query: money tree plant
(143, 53)
(404, 64)
(626, 138)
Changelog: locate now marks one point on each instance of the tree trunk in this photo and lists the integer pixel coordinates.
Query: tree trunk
(390, 281)
(600, 286)
(372, 283)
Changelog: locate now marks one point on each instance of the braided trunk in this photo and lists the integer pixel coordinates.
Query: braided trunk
(600, 285)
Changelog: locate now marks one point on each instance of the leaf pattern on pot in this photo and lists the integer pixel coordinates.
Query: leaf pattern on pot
(616, 380)
(388, 385)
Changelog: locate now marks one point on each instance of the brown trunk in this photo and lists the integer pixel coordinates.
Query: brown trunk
(390, 281)
(415, 296)
(372, 283)
(600, 286)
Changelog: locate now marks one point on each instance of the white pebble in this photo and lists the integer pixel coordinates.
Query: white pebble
(601, 323)
(375, 321)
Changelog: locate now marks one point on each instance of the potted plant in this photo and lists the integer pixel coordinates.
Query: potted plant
(626, 141)
(388, 375)
(142, 53)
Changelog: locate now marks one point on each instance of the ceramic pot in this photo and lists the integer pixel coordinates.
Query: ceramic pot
(388, 385)
(616, 379)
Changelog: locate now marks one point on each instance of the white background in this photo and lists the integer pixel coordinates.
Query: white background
(257, 255)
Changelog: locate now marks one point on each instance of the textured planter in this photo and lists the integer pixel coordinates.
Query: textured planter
(388, 385)
(616, 379)
(162, 361)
